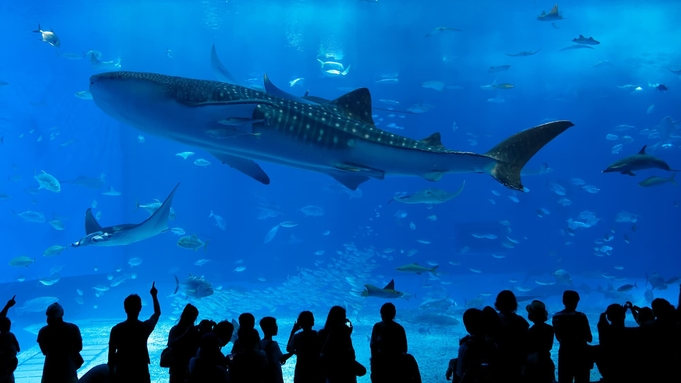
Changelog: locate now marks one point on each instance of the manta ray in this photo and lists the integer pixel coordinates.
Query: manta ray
(127, 233)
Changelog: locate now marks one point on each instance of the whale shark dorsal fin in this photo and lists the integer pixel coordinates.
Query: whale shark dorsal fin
(434, 139)
(554, 10)
(643, 150)
(356, 105)
(390, 285)
(91, 224)
(581, 36)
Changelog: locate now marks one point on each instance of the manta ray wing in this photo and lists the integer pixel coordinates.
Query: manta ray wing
(91, 224)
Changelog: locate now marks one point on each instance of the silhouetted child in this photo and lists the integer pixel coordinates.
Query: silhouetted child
(61, 344)
(573, 333)
(476, 355)
(269, 328)
(249, 363)
(246, 322)
(305, 346)
(539, 367)
(512, 337)
(337, 355)
(9, 346)
(207, 365)
(388, 348)
(128, 353)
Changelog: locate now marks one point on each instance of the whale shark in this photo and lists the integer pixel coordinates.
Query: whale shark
(429, 196)
(338, 138)
(125, 234)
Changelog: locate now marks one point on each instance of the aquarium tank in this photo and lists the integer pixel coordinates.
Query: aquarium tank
(273, 157)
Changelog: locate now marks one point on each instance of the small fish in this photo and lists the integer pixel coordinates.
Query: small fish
(503, 86)
(627, 287)
(184, 155)
(496, 69)
(440, 30)
(201, 162)
(48, 37)
(586, 41)
(662, 88)
(523, 53)
(576, 46)
(219, 221)
(84, 95)
(295, 81)
(436, 85)
(21, 261)
(201, 262)
(111, 192)
(655, 181)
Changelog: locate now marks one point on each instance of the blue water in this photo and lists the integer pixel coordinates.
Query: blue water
(45, 127)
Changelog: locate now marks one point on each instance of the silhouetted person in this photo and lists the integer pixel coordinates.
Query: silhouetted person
(477, 355)
(61, 344)
(249, 363)
(207, 366)
(539, 367)
(183, 341)
(512, 338)
(246, 322)
(9, 346)
(336, 351)
(223, 330)
(269, 328)
(573, 333)
(305, 346)
(97, 374)
(641, 314)
(128, 353)
(615, 362)
(662, 335)
(388, 348)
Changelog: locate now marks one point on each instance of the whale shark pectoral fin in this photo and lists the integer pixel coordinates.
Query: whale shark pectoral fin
(91, 224)
(629, 173)
(349, 180)
(433, 176)
(513, 153)
(245, 166)
(273, 90)
(219, 70)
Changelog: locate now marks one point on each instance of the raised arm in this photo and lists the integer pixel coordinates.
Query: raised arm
(289, 345)
(9, 304)
(157, 306)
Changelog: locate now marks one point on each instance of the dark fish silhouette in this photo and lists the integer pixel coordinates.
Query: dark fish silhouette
(125, 234)
(577, 46)
(553, 15)
(639, 161)
(586, 41)
(523, 53)
(338, 138)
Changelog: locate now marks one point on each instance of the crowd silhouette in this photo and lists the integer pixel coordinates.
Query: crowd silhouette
(501, 346)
